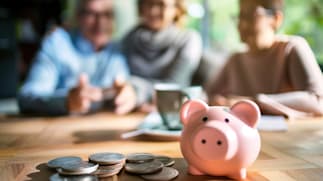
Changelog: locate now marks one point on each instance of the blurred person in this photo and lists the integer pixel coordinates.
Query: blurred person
(279, 72)
(158, 49)
(74, 68)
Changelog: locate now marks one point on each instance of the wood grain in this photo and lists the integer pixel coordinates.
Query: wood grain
(27, 143)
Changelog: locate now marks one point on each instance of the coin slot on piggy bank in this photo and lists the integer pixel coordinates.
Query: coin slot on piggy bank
(220, 141)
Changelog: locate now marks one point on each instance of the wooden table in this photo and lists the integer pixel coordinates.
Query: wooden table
(26, 144)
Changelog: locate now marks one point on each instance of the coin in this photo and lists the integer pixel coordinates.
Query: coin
(112, 167)
(167, 173)
(107, 158)
(57, 177)
(103, 171)
(60, 161)
(144, 168)
(140, 157)
(82, 167)
(80, 172)
(167, 161)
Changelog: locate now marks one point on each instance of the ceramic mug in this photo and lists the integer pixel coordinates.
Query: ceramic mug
(169, 99)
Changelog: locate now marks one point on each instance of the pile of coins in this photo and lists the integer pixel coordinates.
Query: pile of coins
(151, 167)
(102, 165)
(110, 163)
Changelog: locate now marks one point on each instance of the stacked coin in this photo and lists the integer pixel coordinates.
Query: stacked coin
(101, 165)
(71, 165)
(81, 168)
(110, 163)
(71, 168)
(151, 167)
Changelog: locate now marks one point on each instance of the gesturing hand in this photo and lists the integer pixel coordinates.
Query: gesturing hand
(82, 96)
(125, 100)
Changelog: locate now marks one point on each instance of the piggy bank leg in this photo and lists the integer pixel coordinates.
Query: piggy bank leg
(241, 175)
(194, 171)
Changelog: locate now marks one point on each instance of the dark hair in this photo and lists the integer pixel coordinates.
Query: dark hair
(273, 5)
(80, 6)
(180, 6)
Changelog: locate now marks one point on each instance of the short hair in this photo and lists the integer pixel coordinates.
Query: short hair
(80, 5)
(274, 5)
(180, 6)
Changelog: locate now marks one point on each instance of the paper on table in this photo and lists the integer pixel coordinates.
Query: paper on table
(153, 125)
(272, 123)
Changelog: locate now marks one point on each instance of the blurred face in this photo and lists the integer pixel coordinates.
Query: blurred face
(158, 14)
(256, 25)
(96, 22)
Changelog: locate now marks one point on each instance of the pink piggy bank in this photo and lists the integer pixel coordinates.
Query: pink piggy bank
(220, 141)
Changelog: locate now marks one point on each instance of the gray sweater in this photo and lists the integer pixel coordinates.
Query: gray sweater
(171, 55)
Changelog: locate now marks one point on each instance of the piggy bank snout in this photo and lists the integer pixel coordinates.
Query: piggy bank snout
(215, 141)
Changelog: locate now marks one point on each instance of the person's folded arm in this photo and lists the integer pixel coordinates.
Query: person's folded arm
(38, 95)
(306, 78)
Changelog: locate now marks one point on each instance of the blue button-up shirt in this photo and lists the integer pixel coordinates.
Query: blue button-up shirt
(62, 58)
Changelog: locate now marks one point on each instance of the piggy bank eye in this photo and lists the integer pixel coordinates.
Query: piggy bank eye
(227, 120)
(219, 143)
(205, 119)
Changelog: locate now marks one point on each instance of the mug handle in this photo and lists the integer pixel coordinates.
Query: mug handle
(185, 95)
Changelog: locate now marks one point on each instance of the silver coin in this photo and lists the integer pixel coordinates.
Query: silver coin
(167, 173)
(144, 168)
(57, 177)
(81, 172)
(61, 161)
(112, 167)
(107, 158)
(106, 171)
(167, 161)
(84, 167)
(140, 157)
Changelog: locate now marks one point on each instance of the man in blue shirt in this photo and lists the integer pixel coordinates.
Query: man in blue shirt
(73, 69)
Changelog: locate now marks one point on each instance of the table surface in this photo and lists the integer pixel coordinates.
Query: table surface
(27, 143)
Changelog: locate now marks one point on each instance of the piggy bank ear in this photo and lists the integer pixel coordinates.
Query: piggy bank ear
(247, 111)
(191, 107)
